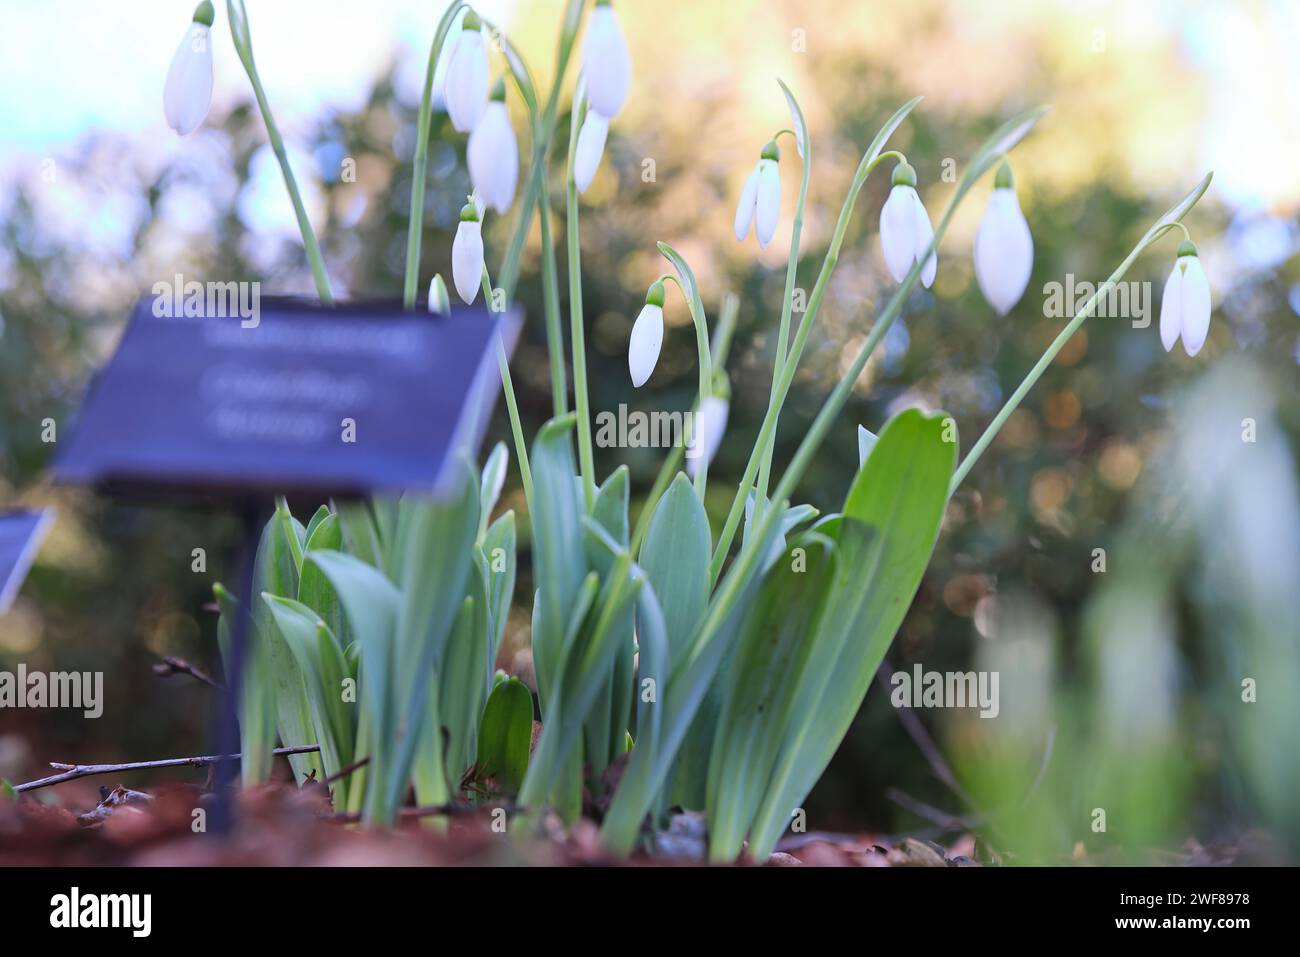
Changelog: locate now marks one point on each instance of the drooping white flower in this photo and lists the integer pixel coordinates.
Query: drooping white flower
(605, 62)
(493, 154)
(467, 254)
(647, 336)
(187, 93)
(590, 148)
(1004, 248)
(760, 200)
(1185, 304)
(905, 229)
(465, 87)
(710, 426)
(439, 301)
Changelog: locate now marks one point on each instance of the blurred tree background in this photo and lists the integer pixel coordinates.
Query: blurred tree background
(1121, 689)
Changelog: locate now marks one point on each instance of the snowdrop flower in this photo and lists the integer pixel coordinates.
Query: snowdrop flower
(467, 254)
(465, 88)
(710, 424)
(605, 62)
(647, 336)
(493, 154)
(188, 90)
(866, 442)
(590, 148)
(439, 301)
(760, 200)
(1185, 304)
(1004, 249)
(905, 230)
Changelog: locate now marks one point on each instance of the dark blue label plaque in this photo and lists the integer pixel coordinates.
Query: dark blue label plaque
(327, 401)
(21, 534)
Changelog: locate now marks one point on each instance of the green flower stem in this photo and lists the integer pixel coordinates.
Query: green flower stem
(243, 41)
(512, 406)
(768, 429)
(787, 307)
(420, 164)
(551, 303)
(1053, 350)
(705, 363)
(576, 329)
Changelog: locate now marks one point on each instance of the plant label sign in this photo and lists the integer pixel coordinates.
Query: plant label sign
(21, 534)
(308, 400)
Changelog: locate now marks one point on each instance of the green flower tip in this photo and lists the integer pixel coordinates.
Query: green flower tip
(1186, 248)
(1004, 179)
(771, 151)
(499, 90)
(602, 3)
(469, 213)
(472, 20)
(655, 294)
(904, 175)
(204, 13)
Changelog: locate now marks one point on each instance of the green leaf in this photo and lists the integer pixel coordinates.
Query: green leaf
(256, 702)
(501, 561)
(314, 589)
(463, 683)
(371, 604)
(885, 538)
(675, 558)
(320, 515)
(559, 563)
(607, 723)
(490, 485)
(320, 659)
(866, 442)
(505, 735)
(756, 700)
(360, 532)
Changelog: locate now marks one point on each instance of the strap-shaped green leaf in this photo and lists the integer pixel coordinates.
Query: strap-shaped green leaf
(675, 558)
(885, 538)
(505, 735)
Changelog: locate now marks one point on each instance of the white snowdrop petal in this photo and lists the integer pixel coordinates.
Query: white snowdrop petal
(467, 260)
(1196, 305)
(590, 149)
(1171, 308)
(439, 305)
(466, 89)
(768, 208)
(1004, 251)
(866, 442)
(710, 426)
(493, 155)
(898, 231)
(923, 237)
(745, 208)
(187, 91)
(606, 63)
(645, 342)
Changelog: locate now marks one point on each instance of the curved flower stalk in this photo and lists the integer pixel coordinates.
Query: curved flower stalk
(1185, 303)
(493, 154)
(187, 93)
(760, 201)
(1004, 247)
(1172, 219)
(465, 88)
(577, 328)
(905, 229)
